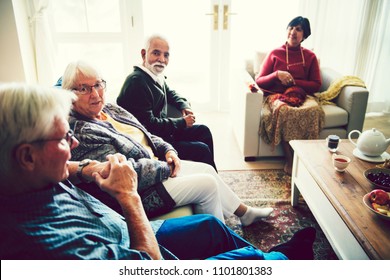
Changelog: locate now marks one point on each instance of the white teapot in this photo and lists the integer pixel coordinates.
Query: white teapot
(371, 143)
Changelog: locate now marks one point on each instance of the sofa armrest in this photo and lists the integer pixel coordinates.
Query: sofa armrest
(245, 111)
(354, 100)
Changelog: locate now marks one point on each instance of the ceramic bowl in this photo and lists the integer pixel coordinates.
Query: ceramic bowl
(340, 162)
(367, 203)
(372, 176)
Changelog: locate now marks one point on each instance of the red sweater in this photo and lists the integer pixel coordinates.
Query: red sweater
(306, 76)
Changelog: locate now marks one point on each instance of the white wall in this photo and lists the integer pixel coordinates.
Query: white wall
(11, 65)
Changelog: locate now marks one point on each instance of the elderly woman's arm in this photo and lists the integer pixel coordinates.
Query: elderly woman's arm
(97, 146)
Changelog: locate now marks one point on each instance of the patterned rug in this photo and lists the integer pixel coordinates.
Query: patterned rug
(272, 188)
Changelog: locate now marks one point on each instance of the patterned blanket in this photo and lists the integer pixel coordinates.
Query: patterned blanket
(281, 122)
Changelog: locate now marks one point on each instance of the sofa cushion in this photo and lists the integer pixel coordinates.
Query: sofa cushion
(185, 210)
(334, 116)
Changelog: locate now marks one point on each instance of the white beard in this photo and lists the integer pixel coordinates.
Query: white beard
(155, 69)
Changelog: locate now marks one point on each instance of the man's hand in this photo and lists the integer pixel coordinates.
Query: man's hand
(120, 180)
(121, 183)
(188, 116)
(186, 112)
(190, 120)
(173, 162)
(103, 168)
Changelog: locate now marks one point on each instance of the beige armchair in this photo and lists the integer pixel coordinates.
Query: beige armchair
(247, 106)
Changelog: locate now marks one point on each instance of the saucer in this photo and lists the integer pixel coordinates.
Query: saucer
(377, 159)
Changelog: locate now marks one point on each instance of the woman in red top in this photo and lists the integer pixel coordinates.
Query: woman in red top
(289, 75)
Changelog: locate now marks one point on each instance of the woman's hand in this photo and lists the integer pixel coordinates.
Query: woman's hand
(285, 78)
(121, 180)
(173, 162)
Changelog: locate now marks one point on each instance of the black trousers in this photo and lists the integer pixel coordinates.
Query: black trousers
(194, 143)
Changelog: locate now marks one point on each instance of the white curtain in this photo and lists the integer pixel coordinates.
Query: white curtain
(352, 36)
(372, 62)
(42, 41)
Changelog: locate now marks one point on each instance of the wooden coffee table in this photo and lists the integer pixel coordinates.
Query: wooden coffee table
(336, 200)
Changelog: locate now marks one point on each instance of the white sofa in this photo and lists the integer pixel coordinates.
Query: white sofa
(247, 106)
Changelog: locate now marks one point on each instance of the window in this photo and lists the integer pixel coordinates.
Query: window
(94, 31)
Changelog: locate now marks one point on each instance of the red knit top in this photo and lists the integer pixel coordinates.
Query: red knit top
(306, 72)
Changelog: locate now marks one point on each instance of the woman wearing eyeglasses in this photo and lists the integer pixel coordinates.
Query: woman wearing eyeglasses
(164, 181)
(289, 77)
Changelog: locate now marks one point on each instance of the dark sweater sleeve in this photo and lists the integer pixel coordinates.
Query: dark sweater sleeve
(143, 100)
(267, 78)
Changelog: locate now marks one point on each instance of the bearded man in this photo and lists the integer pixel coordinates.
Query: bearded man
(146, 95)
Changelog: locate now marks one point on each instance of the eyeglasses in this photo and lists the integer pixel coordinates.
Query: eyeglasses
(68, 138)
(86, 89)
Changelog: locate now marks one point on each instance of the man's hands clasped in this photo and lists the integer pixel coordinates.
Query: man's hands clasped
(188, 116)
(118, 178)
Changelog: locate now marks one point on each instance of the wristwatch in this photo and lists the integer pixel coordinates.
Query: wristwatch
(79, 173)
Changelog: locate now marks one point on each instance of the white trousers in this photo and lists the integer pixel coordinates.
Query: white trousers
(200, 185)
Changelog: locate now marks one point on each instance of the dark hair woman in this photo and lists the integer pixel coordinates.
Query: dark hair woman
(289, 76)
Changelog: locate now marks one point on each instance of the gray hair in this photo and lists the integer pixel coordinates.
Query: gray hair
(27, 113)
(75, 70)
(154, 37)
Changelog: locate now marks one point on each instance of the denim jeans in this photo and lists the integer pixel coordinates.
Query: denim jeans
(206, 237)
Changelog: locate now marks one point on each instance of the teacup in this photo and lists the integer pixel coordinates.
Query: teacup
(340, 162)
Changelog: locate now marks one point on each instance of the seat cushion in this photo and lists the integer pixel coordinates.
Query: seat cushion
(334, 116)
(180, 211)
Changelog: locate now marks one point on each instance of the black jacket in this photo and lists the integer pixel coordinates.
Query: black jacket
(147, 101)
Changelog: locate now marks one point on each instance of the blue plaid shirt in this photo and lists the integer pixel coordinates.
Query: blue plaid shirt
(64, 222)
